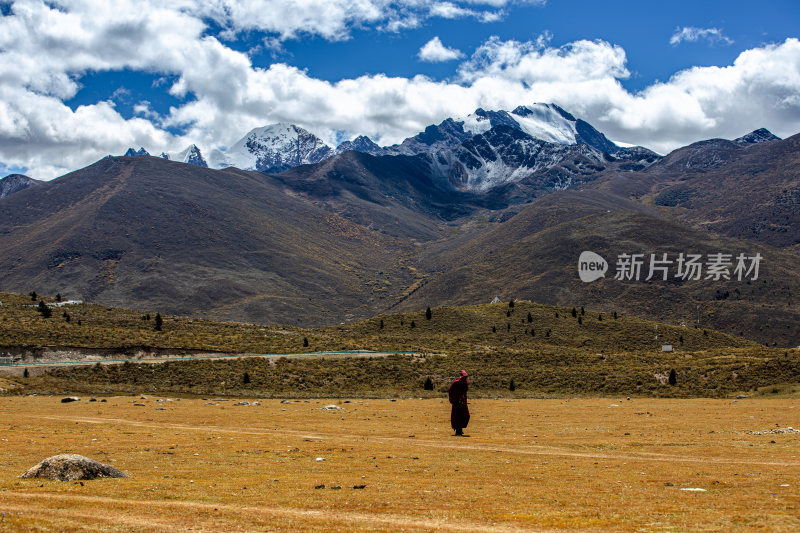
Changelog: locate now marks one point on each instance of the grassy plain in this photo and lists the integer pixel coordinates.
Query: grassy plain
(590, 464)
(545, 350)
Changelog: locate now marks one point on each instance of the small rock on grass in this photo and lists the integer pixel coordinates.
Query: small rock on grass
(71, 467)
(69, 399)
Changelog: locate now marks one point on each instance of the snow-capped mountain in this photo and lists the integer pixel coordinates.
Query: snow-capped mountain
(190, 155)
(471, 153)
(545, 122)
(15, 183)
(273, 149)
(506, 154)
(361, 143)
(133, 153)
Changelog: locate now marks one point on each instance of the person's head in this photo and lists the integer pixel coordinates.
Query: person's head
(464, 373)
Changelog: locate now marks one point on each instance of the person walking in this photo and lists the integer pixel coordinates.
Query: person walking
(459, 413)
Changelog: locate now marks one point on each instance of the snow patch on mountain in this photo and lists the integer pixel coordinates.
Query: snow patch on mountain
(547, 123)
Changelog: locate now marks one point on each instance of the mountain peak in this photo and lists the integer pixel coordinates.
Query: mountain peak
(274, 148)
(15, 183)
(362, 143)
(190, 155)
(133, 153)
(760, 135)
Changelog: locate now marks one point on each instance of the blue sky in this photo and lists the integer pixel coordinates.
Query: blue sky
(83, 78)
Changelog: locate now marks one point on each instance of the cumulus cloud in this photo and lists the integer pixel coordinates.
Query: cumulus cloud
(435, 52)
(45, 50)
(692, 34)
(334, 19)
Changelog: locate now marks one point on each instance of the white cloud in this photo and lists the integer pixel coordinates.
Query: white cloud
(692, 34)
(44, 51)
(449, 10)
(435, 52)
(334, 19)
(758, 89)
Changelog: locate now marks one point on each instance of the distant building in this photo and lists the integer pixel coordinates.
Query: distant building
(496, 300)
(666, 347)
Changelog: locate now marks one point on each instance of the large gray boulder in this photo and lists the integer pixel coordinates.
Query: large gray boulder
(71, 467)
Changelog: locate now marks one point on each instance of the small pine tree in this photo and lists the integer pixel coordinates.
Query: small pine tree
(615, 315)
(556, 314)
(547, 333)
(511, 304)
(574, 312)
(530, 318)
(381, 326)
(600, 317)
(58, 297)
(246, 378)
(580, 320)
(508, 326)
(79, 322)
(25, 374)
(159, 322)
(508, 313)
(673, 378)
(44, 310)
(533, 332)
(305, 342)
(428, 313)
(512, 386)
(428, 385)
(147, 316)
(494, 329)
(705, 333)
(680, 339)
(413, 324)
(33, 295)
(67, 318)
(583, 311)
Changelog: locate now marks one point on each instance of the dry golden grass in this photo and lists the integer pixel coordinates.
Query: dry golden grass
(591, 464)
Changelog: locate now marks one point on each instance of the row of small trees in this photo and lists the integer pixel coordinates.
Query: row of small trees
(47, 312)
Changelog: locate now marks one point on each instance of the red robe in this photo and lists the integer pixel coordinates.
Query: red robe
(457, 393)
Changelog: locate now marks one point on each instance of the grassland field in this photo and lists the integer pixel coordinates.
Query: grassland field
(526, 465)
(593, 436)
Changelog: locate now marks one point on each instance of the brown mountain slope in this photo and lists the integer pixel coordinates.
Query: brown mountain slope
(534, 256)
(745, 191)
(148, 233)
